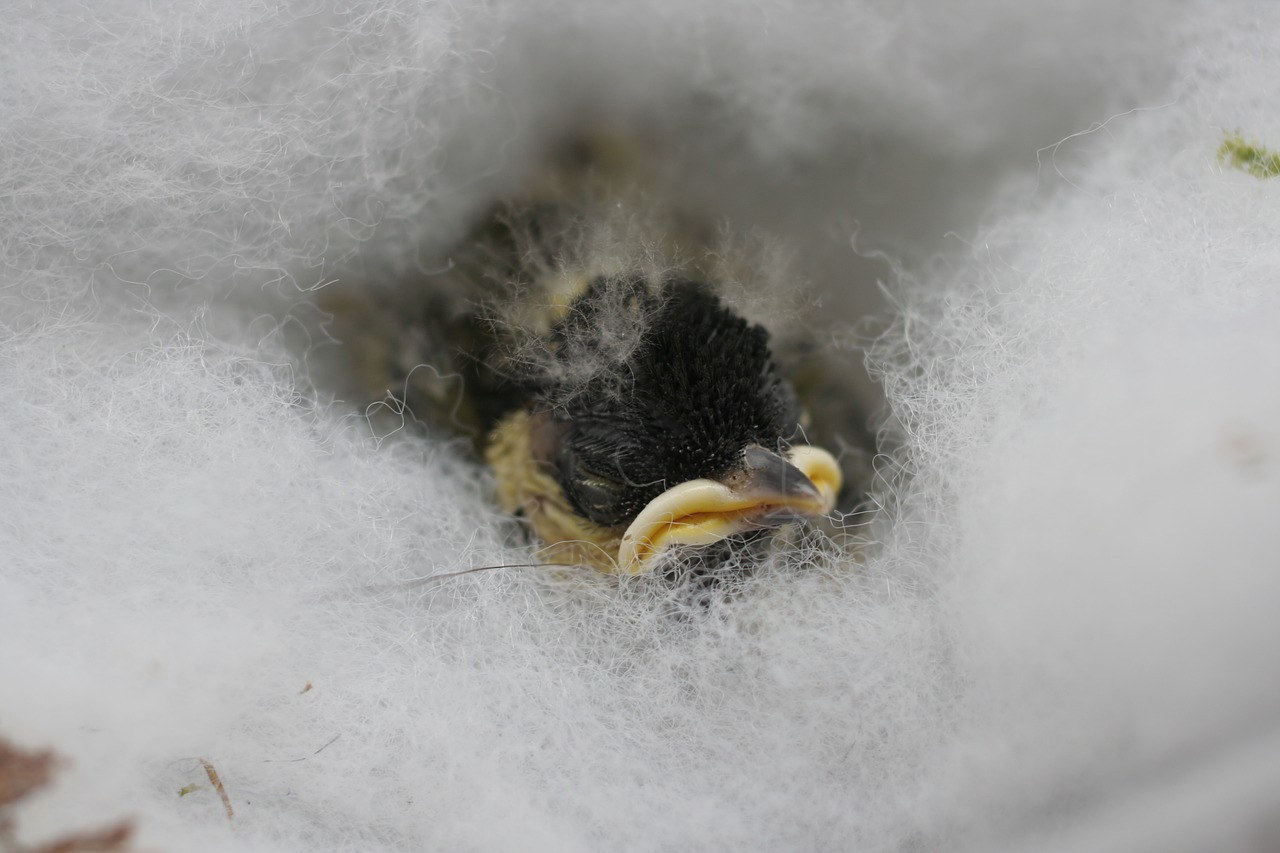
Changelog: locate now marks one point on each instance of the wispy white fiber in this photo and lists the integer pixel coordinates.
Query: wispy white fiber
(1064, 638)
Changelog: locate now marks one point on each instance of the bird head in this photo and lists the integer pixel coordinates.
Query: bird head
(659, 419)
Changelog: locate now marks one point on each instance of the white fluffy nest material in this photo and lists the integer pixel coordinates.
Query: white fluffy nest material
(1066, 638)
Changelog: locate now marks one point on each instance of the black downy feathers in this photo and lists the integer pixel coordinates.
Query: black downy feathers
(580, 341)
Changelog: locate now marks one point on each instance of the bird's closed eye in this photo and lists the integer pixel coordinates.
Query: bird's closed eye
(606, 499)
(596, 488)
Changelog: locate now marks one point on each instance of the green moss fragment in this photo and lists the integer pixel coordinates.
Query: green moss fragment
(189, 789)
(1248, 156)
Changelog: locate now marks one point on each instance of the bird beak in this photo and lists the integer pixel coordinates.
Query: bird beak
(766, 491)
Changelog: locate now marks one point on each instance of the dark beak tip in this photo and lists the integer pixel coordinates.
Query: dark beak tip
(769, 475)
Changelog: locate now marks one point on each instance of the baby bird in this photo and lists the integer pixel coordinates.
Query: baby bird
(627, 410)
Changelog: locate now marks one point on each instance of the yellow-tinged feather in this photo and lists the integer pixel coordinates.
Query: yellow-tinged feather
(525, 489)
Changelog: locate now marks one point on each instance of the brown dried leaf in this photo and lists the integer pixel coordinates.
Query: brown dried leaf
(22, 771)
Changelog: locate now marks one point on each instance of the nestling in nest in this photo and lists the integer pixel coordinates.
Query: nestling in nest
(628, 411)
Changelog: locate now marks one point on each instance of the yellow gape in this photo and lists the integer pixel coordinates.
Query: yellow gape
(703, 512)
